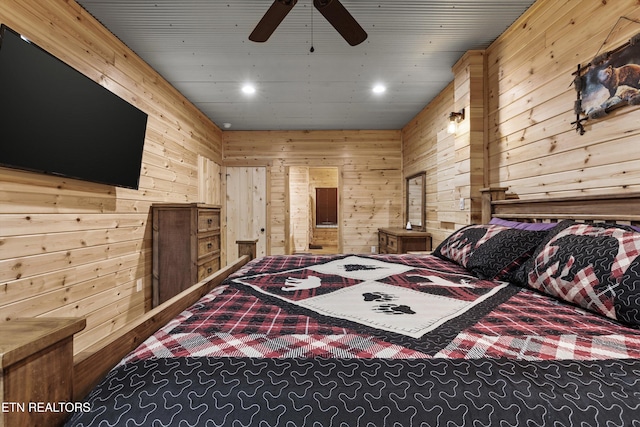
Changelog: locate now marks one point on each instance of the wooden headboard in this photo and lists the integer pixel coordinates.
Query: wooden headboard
(614, 208)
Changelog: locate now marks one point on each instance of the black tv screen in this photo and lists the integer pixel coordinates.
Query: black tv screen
(55, 120)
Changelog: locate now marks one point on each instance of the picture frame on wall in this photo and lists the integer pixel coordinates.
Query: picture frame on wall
(610, 81)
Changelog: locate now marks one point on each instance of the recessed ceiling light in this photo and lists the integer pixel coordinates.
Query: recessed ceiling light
(248, 89)
(379, 88)
(226, 125)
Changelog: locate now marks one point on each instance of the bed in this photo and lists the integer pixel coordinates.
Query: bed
(530, 318)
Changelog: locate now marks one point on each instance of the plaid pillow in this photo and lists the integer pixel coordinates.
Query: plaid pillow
(595, 266)
(490, 251)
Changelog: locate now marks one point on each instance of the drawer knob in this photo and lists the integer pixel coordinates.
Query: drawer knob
(209, 245)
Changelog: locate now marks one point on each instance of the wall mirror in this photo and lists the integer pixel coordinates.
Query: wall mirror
(416, 200)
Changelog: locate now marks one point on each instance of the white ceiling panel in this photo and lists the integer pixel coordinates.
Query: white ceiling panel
(202, 48)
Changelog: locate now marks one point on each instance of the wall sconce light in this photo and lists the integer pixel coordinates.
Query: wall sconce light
(454, 119)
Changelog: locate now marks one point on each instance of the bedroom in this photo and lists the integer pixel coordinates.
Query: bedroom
(73, 249)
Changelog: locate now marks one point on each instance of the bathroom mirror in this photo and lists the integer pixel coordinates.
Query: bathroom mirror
(416, 200)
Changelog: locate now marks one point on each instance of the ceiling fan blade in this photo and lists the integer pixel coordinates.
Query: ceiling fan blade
(271, 19)
(342, 21)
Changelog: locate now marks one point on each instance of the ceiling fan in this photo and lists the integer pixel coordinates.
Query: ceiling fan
(332, 10)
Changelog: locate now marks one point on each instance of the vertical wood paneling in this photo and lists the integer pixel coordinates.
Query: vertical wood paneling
(299, 219)
(259, 209)
(277, 200)
(234, 191)
(208, 181)
(469, 81)
(371, 176)
(73, 248)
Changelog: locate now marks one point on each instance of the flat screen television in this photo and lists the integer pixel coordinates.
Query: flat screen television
(55, 120)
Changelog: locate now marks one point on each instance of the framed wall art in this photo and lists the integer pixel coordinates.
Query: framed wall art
(611, 80)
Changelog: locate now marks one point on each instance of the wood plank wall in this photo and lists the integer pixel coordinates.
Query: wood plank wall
(427, 147)
(298, 208)
(72, 248)
(529, 143)
(533, 148)
(370, 162)
(469, 144)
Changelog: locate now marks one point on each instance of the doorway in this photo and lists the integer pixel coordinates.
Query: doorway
(314, 210)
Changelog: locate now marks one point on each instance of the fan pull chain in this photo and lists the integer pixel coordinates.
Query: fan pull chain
(312, 48)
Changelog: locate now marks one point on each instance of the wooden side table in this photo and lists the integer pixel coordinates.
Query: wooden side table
(401, 241)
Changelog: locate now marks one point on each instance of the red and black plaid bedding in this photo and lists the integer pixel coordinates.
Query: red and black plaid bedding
(256, 352)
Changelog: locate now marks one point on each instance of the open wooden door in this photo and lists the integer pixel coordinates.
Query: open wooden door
(246, 208)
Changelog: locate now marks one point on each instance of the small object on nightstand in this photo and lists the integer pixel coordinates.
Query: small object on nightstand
(408, 225)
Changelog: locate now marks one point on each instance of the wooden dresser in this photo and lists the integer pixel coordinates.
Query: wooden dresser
(401, 241)
(186, 246)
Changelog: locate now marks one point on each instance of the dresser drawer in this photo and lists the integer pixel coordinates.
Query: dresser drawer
(208, 220)
(208, 244)
(208, 267)
(382, 240)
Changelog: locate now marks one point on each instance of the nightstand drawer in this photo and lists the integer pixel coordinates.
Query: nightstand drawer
(392, 244)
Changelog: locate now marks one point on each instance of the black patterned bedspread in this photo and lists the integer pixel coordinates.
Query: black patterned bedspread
(376, 340)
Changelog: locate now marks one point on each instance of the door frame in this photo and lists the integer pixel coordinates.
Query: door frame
(287, 219)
